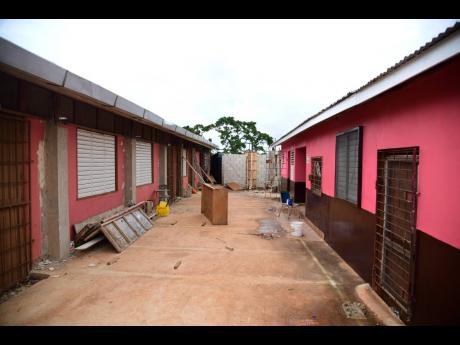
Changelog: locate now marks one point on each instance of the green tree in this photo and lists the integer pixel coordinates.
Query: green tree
(235, 135)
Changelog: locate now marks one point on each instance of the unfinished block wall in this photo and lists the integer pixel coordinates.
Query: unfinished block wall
(234, 169)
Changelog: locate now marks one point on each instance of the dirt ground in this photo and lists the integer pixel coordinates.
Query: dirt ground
(225, 275)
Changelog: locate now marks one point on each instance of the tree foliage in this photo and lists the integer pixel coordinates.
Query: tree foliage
(236, 136)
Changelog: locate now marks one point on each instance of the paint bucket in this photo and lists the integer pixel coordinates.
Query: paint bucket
(163, 209)
(297, 227)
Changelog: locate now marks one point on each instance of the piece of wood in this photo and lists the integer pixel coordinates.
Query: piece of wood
(90, 243)
(134, 224)
(190, 165)
(113, 234)
(214, 203)
(234, 186)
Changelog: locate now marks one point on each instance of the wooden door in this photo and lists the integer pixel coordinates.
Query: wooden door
(15, 233)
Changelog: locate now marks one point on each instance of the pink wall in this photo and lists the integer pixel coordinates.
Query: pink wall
(37, 136)
(299, 168)
(80, 210)
(424, 112)
(145, 192)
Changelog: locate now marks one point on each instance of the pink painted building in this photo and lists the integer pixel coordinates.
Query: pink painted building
(72, 152)
(377, 171)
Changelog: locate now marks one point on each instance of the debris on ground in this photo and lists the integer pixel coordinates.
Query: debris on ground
(203, 224)
(92, 265)
(354, 310)
(88, 232)
(178, 263)
(91, 243)
(124, 228)
(229, 248)
(217, 238)
(19, 287)
(234, 186)
(174, 223)
(55, 276)
(51, 268)
(111, 262)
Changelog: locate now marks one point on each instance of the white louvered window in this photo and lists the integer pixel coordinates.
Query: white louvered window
(143, 163)
(291, 162)
(95, 163)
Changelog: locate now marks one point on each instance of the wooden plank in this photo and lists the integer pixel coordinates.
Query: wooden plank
(90, 243)
(114, 236)
(125, 230)
(134, 224)
(143, 219)
(234, 186)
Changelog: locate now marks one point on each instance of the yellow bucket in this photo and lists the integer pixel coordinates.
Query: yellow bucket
(163, 209)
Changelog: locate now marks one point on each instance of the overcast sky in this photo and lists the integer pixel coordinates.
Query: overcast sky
(274, 72)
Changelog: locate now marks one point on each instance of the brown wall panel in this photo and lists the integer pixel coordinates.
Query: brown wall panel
(317, 210)
(437, 282)
(105, 121)
(35, 100)
(9, 92)
(352, 234)
(85, 115)
(64, 108)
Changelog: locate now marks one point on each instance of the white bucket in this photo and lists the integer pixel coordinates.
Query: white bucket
(297, 227)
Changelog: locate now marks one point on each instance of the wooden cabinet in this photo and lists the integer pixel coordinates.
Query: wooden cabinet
(214, 203)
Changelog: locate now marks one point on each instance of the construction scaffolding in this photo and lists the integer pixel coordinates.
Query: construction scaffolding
(272, 173)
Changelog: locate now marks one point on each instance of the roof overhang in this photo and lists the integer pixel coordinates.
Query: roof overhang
(26, 65)
(432, 56)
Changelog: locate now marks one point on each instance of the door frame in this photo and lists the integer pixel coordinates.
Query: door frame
(410, 154)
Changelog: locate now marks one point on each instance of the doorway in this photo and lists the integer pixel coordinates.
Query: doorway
(15, 230)
(394, 255)
(300, 172)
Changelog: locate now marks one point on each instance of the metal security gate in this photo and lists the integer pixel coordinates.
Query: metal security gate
(15, 233)
(394, 255)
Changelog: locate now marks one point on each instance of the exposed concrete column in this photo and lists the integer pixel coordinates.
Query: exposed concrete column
(55, 191)
(130, 171)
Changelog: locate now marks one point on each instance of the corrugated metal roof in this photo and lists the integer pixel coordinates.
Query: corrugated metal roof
(405, 60)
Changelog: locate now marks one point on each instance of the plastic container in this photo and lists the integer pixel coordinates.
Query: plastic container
(297, 228)
(289, 202)
(163, 209)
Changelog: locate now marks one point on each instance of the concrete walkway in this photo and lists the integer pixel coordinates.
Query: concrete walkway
(281, 281)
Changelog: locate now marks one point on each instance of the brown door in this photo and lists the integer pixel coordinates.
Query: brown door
(394, 258)
(189, 169)
(172, 171)
(15, 233)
